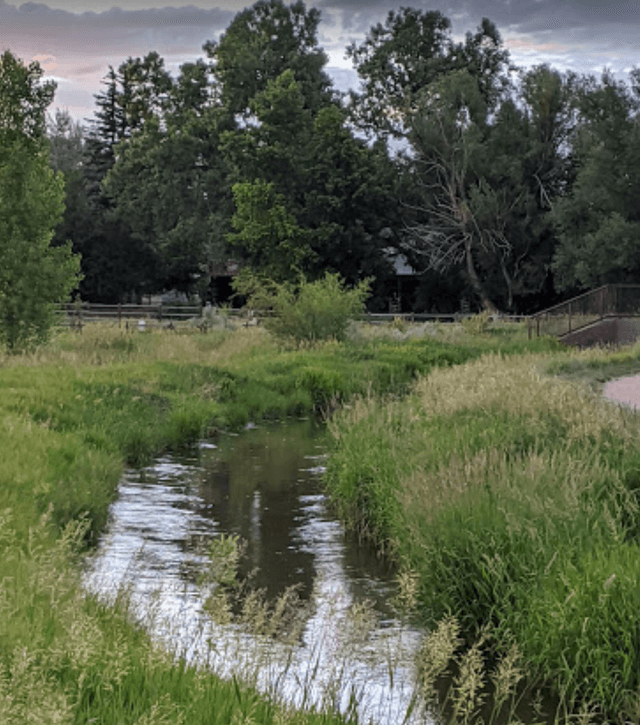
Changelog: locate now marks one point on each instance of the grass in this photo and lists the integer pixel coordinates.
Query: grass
(597, 365)
(72, 414)
(513, 497)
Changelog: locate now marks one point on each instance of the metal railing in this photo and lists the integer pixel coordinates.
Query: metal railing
(610, 300)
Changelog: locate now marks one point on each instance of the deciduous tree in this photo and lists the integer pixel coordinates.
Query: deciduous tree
(33, 274)
(260, 44)
(598, 220)
(400, 59)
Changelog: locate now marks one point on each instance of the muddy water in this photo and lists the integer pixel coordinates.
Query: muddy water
(264, 486)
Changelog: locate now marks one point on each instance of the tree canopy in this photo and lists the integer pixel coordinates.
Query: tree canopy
(506, 187)
(33, 274)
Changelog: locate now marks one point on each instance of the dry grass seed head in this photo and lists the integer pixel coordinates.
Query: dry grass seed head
(437, 652)
(507, 675)
(469, 684)
(162, 712)
(28, 697)
(406, 599)
(514, 385)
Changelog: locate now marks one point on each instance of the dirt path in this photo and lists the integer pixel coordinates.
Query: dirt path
(624, 390)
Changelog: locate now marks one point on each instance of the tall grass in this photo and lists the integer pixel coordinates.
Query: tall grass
(71, 414)
(514, 497)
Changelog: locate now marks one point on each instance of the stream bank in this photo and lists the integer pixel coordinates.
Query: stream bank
(354, 654)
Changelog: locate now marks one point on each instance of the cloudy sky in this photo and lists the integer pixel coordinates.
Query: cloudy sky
(76, 40)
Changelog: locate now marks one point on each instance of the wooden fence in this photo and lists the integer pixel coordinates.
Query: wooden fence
(75, 316)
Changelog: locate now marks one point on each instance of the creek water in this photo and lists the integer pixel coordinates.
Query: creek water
(264, 486)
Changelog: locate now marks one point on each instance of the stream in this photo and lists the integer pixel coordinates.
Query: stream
(353, 653)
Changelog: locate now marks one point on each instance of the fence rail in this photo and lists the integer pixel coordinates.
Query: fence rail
(611, 300)
(381, 317)
(74, 315)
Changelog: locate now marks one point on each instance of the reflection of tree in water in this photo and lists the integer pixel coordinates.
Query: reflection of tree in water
(251, 485)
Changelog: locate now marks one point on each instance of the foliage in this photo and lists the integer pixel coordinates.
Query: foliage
(399, 61)
(487, 179)
(313, 198)
(306, 311)
(448, 131)
(115, 265)
(170, 188)
(271, 241)
(597, 220)
(260, 44)
(33, 274)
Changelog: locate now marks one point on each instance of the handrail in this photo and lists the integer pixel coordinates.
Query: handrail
(611, 300)
(573, 299)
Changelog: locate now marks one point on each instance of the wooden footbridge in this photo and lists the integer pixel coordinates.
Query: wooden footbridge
(607, 315)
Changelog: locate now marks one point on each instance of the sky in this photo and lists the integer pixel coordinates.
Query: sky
(76, 41)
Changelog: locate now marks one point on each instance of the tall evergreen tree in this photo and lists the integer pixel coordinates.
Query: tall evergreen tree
(117, 265)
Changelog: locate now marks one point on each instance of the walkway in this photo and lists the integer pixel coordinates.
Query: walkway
(624, 390)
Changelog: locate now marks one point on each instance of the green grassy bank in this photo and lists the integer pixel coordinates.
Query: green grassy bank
(509, 491)
(71, 416)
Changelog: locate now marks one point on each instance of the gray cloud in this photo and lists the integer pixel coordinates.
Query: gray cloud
(78, 47)
(88, 33)
(581, 35)
(525, 15)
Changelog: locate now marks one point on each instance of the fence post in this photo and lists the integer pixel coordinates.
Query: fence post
(569, 317)
(119, 314)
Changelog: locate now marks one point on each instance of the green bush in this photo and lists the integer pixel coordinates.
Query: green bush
(306, 311)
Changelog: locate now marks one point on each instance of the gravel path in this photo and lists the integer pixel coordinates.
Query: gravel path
(624, 390)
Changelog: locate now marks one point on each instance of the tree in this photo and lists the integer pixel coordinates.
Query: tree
(328, 188)
(169, 184)
(271, 241)
(598, 220)
(33, 274)
(525, 168)
(117, 264)
(259, 45)
(170, 187)
(400, 59)
(447, 136)
(488, 177)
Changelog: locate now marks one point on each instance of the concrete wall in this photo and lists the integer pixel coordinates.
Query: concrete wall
(611, 331)
(628, 330)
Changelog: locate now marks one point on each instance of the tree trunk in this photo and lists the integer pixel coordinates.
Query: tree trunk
(474, 279)
(509, 281)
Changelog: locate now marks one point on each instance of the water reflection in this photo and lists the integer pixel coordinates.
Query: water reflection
(262, 485)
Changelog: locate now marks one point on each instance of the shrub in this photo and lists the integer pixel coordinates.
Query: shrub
(306, 311)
